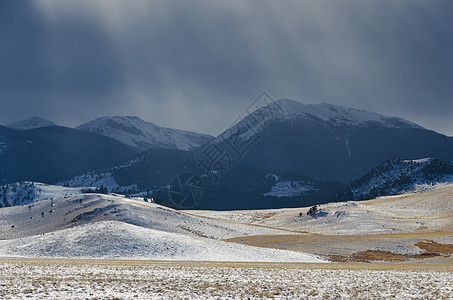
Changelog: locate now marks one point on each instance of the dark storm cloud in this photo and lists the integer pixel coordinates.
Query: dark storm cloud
(198, 64)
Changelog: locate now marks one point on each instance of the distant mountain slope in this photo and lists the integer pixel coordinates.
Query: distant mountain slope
(142, 135)
(26, 192)
(30, 123)
(150, 169)
(52, 154)
(328, 142)
(243, 186)
(300, 155)
(290, 110)
(397, 177)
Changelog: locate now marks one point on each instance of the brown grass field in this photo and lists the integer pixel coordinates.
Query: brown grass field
(344, 248)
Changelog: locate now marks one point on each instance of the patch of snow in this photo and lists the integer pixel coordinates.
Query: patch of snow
(95, 180)
(276, 177)
(289, 189)
(3, 147)
(418, 161)
(105, 179)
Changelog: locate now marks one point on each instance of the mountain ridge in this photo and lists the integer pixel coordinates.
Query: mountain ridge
(54, 153)
(326, 141)
(142, 135)
(326, 111)
(30, 123)
(396, 177)
(291, 110)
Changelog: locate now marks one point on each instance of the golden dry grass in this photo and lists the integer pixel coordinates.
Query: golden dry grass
(433, 247)
(346, 248)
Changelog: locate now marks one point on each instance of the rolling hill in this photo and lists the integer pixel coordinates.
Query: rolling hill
(109, 226)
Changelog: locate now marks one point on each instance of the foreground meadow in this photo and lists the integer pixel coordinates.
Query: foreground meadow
(91, 279)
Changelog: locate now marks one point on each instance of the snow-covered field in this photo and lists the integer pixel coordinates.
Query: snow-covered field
(119, 281)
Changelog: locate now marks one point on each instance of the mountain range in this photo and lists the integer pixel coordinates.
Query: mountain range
(330, 142)
(142, 135)
(285, 154)
(36, 149)
(132, 131)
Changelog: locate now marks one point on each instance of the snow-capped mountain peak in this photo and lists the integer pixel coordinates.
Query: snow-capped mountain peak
(289, 109)
(30, 123)
(143, 135)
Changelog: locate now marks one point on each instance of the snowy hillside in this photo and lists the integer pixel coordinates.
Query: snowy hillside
(401, 176)
(134, 168)
(112, 226)
(290, 110)
(112, 239)
(30, 123)
(142, 135)
(25, 192)
(109, 226)
(92, 179)
(69, 211)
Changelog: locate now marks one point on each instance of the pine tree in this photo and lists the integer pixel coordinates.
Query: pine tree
(313, 210)
(5, 201)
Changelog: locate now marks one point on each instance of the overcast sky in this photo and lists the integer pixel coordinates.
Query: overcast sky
(197, 65)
